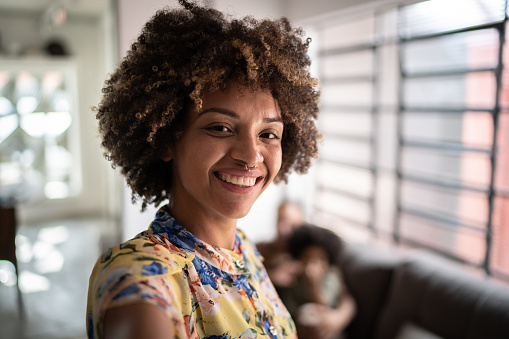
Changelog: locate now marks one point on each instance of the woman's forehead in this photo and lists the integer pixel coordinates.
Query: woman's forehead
(239, 101)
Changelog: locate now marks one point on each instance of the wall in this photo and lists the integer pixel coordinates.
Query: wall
(260, 9)
(297, 10)
(302, 10)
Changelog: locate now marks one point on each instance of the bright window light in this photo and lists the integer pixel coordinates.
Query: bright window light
(8, 125)
(6, 106)
(26, 105)
(56, 190)
(51, 263)
(30, 282)
(34, 124)
(53, 235)
(58, 162)
(57, 123)
(4, 78)
(7, 273)
(10, 174)
(47, 258)
(24, 251)
(51, 81)
(52, 124)
(60, 101)
(27, 84)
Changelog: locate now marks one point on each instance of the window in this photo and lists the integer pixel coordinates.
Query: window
(415, 117)
(39, 157)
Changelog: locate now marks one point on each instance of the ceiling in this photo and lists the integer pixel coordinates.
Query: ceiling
(73, 7)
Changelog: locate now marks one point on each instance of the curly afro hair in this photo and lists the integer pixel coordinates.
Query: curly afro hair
(179, 54)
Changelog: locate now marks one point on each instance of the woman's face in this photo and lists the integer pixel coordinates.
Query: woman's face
(232, 130)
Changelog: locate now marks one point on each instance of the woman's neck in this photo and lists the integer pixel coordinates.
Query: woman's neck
(218, 232)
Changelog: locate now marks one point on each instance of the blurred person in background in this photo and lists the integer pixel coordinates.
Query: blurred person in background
(318, 300)
(281, 266)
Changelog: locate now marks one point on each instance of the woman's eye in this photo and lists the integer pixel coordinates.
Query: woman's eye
(269, 135)
(218, 128)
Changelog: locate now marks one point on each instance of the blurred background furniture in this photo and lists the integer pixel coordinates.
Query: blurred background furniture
(421, 295)
(8, 244)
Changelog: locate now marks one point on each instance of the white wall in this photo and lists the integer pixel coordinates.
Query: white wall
(132, 15)
(302, 10)
(297, 10)
(259, 9)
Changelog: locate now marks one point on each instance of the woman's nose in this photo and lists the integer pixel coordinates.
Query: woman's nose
(247, 150)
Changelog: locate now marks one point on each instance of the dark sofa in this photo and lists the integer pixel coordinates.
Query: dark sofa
(421, 296)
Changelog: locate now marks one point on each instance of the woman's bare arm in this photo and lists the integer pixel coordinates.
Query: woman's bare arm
(137, 321)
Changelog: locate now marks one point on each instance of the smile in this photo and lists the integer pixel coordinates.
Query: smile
(239, 181)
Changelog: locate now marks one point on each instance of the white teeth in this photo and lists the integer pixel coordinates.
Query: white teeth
(239, 181)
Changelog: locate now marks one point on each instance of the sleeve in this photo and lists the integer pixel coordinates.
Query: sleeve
(137, 272)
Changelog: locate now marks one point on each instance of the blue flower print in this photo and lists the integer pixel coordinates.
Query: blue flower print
(131, 289)
(154, 268)
(242, 283)
(164, 224)
(269, 328)
(206, 272)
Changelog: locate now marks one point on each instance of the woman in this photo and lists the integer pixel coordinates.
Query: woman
(204, 112)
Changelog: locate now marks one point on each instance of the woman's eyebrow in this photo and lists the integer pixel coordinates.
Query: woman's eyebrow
(269, 120)
(232, 114)
(220, 110)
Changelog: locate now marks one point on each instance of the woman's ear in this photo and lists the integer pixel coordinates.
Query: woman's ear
(167, 155)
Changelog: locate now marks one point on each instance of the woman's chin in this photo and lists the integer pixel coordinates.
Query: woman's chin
(237, 211)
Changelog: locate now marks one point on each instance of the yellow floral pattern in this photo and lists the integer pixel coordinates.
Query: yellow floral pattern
(205, 291)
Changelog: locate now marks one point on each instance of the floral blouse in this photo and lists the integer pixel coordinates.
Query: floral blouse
(205, 291)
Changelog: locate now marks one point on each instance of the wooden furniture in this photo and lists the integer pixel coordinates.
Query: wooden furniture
(8, 245)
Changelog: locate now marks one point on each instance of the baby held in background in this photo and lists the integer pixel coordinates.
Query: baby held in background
(318, 300)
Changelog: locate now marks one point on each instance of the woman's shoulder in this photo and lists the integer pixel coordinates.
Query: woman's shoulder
(141, 258)
(144, 269)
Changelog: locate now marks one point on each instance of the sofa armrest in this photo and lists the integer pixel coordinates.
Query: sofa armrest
(367, 272)
(445, 299)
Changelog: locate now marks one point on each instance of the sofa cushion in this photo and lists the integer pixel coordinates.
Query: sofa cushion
(491, 314)
(411, 331)
(367, 273)
(445, 299)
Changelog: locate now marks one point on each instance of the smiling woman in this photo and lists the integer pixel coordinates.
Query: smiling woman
(204, 113)
(229, 153)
